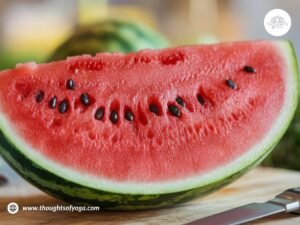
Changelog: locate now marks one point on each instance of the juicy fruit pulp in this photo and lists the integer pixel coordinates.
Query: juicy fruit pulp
(169, 138)
(166, 124)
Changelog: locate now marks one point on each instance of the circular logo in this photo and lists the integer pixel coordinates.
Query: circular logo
(12, 208)
(277, 22)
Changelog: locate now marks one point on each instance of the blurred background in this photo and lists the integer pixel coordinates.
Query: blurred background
(32, 29)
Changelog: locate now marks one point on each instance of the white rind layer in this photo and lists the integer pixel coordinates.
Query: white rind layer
(258, 151)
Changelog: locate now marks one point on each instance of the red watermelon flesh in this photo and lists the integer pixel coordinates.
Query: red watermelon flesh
(232, 95)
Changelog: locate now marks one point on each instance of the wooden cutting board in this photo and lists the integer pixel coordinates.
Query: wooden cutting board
(259, 185)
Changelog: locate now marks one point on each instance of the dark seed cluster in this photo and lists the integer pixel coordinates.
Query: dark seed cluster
(85, 100)
(200, 99)
(99, 113)
(180, 101)
(174, 110)
(39, 96)
(129, 115)
(63, 106)
(153, 108)
(231, 84)
(71, 84)
(113, 117)
(249, 69)
(52, 102)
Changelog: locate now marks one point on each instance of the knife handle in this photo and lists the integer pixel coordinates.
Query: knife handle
(292, 195)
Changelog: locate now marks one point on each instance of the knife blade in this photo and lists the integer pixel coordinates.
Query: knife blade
(287, 201)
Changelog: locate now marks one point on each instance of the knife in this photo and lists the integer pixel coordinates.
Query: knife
(287, 201)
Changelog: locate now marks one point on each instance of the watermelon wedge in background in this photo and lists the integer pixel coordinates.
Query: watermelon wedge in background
(109, 36)
(147, 129)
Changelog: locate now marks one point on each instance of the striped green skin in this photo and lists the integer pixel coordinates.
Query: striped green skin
(109, 36)
(79, 195)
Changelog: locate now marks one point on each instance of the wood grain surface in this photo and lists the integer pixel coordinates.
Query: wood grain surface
(259, 185)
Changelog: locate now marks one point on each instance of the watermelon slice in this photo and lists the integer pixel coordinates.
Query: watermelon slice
(147, 129)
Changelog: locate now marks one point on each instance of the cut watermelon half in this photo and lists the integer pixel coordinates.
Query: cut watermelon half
(147, 129)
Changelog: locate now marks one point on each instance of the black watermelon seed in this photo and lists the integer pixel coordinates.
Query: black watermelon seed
(249, 69)
(154, 109)
(70, 84)
(52, 102)
(174, 110)
(3, 180)
(85, 99)
(129, 115)
(180, 101)
(63, 106)
(230, 83)
(40, 96)
(99, 113)
(200, 99)
(113, 117)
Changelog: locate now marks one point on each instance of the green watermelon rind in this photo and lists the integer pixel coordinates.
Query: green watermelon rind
(81, 195)
(86, 190)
